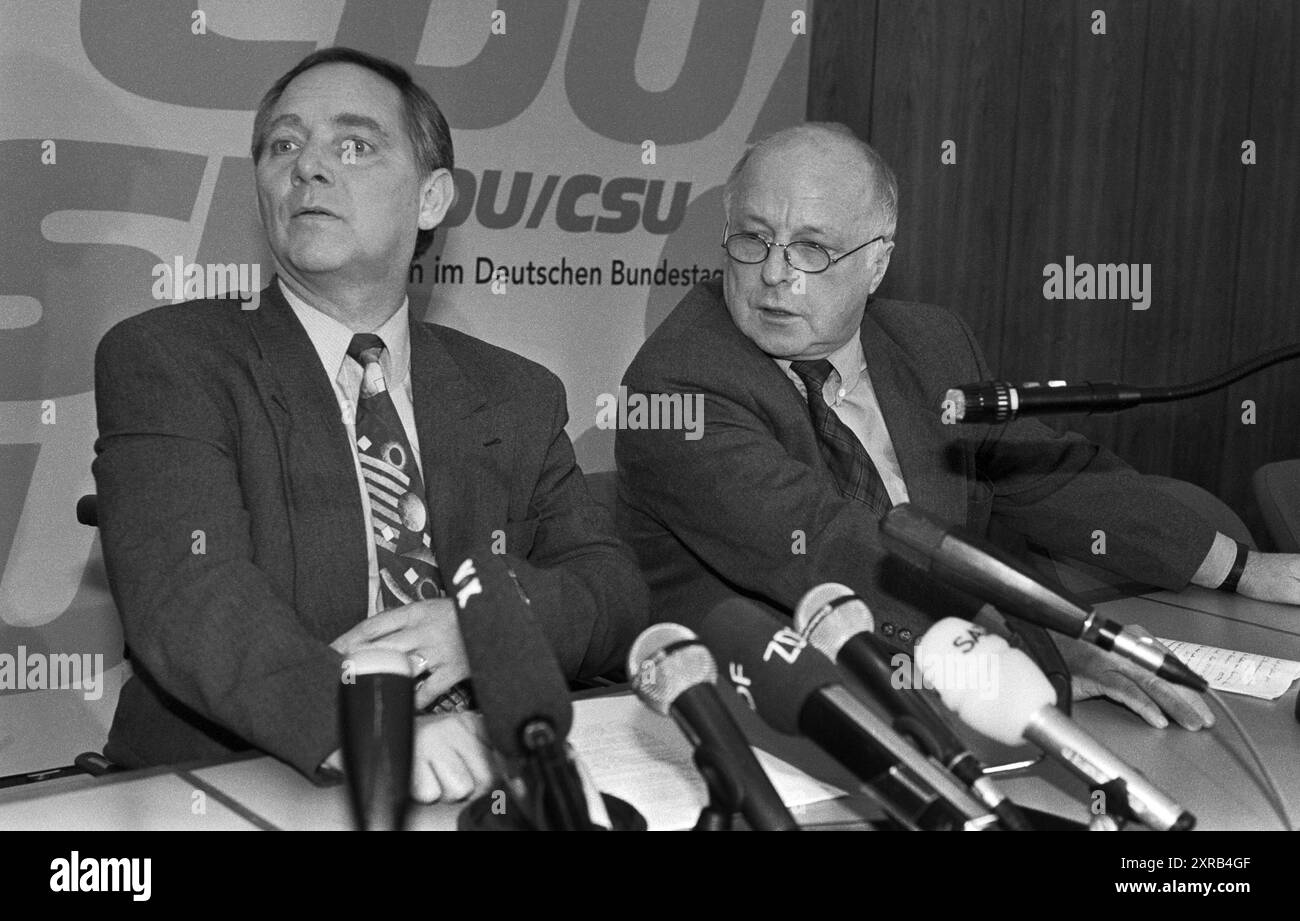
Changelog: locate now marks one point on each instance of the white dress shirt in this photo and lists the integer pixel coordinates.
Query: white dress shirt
(849, 393)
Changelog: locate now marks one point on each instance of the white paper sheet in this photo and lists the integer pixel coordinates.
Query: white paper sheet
(643, 758)
(1237, 672)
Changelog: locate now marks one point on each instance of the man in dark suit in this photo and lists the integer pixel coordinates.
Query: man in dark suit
(268, 478)
(821, 412)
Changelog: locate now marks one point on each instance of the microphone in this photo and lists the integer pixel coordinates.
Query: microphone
(976, 566)
(675, 675)
(377, 719)
(839, 624)
(521, 691)
(1000, 692)
(993, 402)
(998, 401)
(797, 690)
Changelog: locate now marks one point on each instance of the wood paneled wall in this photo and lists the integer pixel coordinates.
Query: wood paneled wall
(1122, 147)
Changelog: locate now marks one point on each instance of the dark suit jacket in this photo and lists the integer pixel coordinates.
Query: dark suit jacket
(750, 508)
(219, 425)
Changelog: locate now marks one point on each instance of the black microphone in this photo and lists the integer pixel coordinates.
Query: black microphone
(1000, 692)
(675, 675)
(997, 401)
(377, 720)
(797, 690)
(976, 566)
(522, 694)
(839, 624)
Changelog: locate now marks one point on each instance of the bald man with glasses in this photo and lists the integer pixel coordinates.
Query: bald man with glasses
(821, 412)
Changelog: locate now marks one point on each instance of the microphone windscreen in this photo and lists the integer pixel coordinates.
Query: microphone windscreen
(767, 661)
(515, 674)
(830, 615)
(994, 689)
(666, 660)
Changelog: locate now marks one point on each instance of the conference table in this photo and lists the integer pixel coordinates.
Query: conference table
(1196, 769)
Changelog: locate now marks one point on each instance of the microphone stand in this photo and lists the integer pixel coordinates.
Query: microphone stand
(549, 796)
(1109, 397)
(1231, 376)
(725, 795)
(561, 805)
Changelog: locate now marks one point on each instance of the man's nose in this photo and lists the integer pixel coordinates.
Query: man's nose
(775, 269)
(313, 165)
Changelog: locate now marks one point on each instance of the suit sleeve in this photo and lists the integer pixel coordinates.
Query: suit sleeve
(766, 523)
(583, 583)
(1066, 493)
(198, 614)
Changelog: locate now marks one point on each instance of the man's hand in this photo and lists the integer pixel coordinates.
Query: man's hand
(426, 631)
(1097, 673)
(451, 761)
(1271, 577)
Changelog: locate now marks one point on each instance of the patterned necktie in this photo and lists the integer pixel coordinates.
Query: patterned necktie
(844, 454)
(399, 517)
(408, 570)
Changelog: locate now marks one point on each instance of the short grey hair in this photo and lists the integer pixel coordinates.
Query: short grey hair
(883, 183)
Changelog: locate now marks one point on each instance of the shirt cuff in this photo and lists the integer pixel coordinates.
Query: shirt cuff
(1217, 563)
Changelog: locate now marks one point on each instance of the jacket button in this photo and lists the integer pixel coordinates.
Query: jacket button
(905, 635)
(887, 629)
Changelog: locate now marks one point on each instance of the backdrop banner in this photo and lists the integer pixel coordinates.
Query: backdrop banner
(592, 140)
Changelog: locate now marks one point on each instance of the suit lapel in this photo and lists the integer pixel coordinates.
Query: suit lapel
(932, 464)
(455, 430)
(326, 520)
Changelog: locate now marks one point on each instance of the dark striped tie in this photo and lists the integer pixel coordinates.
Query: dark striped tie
(408, 569)
(844, 454)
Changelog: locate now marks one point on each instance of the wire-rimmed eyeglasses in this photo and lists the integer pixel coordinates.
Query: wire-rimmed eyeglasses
(802, 255)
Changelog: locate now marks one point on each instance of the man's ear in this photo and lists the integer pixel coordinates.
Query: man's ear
(880, 266)
(437, 192)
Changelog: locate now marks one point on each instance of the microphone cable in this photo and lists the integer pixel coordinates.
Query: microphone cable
(1262, 778)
